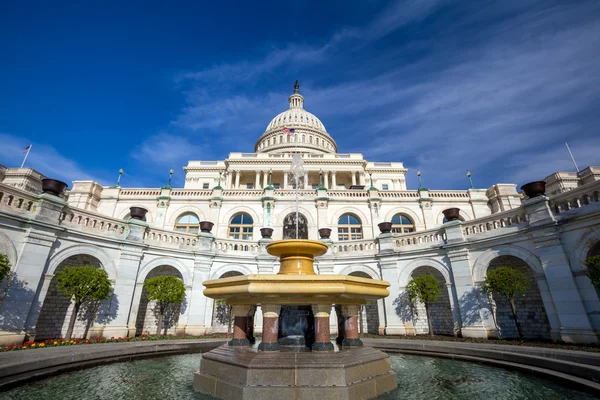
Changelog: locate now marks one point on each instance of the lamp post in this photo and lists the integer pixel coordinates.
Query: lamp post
(470, 180)
(119, 178)
(420, 181)
(170, 176)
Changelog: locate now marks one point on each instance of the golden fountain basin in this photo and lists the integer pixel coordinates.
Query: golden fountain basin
(296, 282)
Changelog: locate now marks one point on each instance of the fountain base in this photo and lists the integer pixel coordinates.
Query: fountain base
(357, 373)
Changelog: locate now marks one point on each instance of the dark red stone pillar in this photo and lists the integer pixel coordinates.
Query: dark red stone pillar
(322, 332)
(270, 330)
(240, 322)
(250, 326)
(351, 326)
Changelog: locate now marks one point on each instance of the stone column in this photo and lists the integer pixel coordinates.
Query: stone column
(285, 180)
(250, 325)
(200, 308)
(133, 312)
(326, 179)
(322, 332)
(361, 177)
(353, 177)
(228, 181)
(237, 179)
(240, 311)
(306, 186)
(270, 330)
(333, 181)
(350, 313)
(265, 178)
(257, 181)
(21, 308)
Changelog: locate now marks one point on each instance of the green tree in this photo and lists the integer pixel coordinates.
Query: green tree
(83, 284)
(507, 281)
(425, 289)
(4, 274)
(593, 267)
(167, 291)
(225, 308)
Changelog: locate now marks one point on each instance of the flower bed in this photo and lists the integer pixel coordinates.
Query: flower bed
(75, 342)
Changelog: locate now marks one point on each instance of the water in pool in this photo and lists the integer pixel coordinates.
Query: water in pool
(171, 378)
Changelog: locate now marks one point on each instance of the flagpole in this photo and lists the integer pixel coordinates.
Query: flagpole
(572, 158)
(28, 150)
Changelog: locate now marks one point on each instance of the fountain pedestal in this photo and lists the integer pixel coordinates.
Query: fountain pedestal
(296, 358)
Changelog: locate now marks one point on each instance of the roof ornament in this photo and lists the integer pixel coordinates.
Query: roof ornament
(296, 87)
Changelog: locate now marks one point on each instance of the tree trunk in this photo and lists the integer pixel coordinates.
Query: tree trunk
(161, 312)
(514, 313)
(229, 320)
(428, 320)
(73, 319)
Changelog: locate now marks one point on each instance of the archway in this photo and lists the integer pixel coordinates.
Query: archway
(529, 305)
(56, 311)
(221, 317)
(440, 310)
(147, 317)
(289, 226)
(369, 315)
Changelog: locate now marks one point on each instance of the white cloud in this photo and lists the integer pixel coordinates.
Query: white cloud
(167, 150)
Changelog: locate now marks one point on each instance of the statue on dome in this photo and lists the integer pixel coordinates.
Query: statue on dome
(296, 87)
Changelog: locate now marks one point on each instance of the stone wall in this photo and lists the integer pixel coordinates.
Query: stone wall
(440, 310)
(147, 318)
(529, 305)
(57, 309)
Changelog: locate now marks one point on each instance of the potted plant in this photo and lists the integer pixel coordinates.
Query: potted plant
(385, 227)
(266, 233)
(324, 233)
(451, 214)
(138, 213)
(53, 186)
(534, 189)
(206, 226)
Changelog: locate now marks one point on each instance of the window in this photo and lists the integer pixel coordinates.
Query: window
(402, 224)
(249, 185)
(384, 187)
(349, 228)
(277, 186)
(315, 186)
(205, 186)
(188, 222)
(240, 227)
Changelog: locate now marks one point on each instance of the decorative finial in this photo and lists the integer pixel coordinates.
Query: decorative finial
(296, 87)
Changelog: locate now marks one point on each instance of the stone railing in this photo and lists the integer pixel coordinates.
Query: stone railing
(191, 193)
(225, 246)
(429, 237)
(348, 193)
(15, 200)
(399, 194)
(171, 239)
(139, 193)
(292, 193)
(449, 194)
(495, 221)
(82, 220)
(242, 192)
(576, 198)
(355, 247)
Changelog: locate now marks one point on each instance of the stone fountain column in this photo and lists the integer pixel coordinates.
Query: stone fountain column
(322, 334)
(270, 332)
(250, 325)
(241, 312)
(351, 326)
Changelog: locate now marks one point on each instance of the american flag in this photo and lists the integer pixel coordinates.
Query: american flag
(26, 149)
(289, 131)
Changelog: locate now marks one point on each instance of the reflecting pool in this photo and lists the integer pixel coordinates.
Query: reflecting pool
(171, 378)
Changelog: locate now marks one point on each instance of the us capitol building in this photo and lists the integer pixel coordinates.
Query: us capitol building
(249, 199)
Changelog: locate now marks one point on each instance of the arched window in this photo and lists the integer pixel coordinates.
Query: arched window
(187, 222)
(349, 227)
(402, 224)
(240, 227)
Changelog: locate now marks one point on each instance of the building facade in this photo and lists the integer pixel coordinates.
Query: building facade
(546, 237)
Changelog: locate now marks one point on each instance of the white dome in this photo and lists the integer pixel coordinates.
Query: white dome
(296, 117)
(309, 133)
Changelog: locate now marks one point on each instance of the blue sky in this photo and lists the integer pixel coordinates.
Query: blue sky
(496, 87)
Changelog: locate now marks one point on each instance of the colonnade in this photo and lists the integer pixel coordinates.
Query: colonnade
(330, 178)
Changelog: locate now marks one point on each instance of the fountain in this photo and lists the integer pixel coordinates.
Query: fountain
(296, 358)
